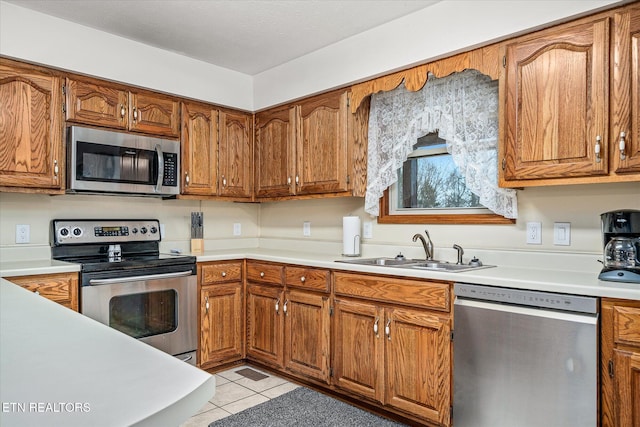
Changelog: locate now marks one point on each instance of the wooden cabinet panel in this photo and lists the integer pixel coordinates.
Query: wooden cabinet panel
(275, 152)
(556, 103)
(359, 330)
(418, 354)
(265, 273)
(306, 342)
(221, 314)
(61, 288)
(626, 325)
(307, 278)
(627, 388)
(220, 272)
(199, 139)
(236, 154)
(98, 104)
(625, 91)
(322, 144)
(419, 293)
(151, 113)
(265, 324)
(31, 129)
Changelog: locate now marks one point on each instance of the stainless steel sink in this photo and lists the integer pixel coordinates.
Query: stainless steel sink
(445, 266)
(388, 262)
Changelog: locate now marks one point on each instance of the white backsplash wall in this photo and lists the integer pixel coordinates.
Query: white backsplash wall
(580, 205)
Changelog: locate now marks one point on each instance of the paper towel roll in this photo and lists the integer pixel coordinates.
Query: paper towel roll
(351, 235)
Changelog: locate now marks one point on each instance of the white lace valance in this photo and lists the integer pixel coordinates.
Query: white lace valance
(463, 108)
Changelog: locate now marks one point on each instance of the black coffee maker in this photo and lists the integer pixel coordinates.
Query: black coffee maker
(621, 240)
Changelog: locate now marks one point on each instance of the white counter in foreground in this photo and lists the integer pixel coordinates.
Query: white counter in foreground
(59, 368)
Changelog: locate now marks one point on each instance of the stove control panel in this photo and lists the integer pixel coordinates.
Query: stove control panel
(73, 232)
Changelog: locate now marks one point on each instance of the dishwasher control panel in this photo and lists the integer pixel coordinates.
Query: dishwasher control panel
(526, 298)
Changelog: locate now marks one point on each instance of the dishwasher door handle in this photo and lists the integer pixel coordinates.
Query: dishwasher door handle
(139, 278)
(587, 318)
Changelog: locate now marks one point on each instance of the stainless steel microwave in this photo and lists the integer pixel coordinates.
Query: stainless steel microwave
(105, 161)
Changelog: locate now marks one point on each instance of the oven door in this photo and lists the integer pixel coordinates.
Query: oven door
(158, 309)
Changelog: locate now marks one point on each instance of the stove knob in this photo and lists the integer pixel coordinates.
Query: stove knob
(64, 232)
(77, 231)
(143, 230)
(154, 230)
(134, 230)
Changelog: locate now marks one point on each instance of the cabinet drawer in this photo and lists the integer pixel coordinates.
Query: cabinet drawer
(212, 273)
(307, 278)
(626, 325)
(61, 288)
(419, 293)
(264, 273)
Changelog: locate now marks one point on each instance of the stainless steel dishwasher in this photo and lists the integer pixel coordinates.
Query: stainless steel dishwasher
(524, 358)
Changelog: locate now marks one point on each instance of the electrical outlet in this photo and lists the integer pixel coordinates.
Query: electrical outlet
(22, 233)
(237, 229)
(367, 230)
(534, 233)
(306, 229)
(562, 233)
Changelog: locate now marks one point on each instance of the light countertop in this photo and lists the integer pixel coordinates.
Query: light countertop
(536, 275)
(60, 368)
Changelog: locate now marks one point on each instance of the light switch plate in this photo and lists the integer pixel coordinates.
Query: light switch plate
(562, 233)
(367, 230)
(237, 229)
(534, 233)
(306, 228)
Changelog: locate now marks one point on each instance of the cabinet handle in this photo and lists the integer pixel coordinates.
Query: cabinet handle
(277, 306)
(123, 111)
(297, 179)
(289, 181)
(375, 326)
(224, 274)
(597, 148)
(303, 279)
(186, 178)
(206, 304)
(284, 307)
(224, 181)
(56, 169)
(387, 329)
(262, 274)
(37, 292)
(622, 145)
(135, 114)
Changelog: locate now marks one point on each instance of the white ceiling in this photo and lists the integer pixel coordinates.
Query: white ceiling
(248, 36)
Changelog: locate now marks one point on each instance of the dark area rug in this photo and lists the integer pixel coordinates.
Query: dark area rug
(304, 407)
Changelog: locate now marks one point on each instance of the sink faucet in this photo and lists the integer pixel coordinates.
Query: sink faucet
(460, 252)
(428, 246)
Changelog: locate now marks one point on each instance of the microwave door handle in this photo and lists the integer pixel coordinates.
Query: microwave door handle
(160, 167)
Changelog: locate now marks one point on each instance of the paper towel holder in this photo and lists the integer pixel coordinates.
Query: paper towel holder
(356, 244)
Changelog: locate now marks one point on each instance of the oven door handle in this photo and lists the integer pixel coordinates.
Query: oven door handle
(139, 278)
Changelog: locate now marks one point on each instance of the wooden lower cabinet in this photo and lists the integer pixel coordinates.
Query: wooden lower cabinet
(221, 313)
(398, 357)
(265, 324)
(620, 359)
(61, 287)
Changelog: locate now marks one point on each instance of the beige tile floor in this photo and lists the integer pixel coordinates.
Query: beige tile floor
(235, 393)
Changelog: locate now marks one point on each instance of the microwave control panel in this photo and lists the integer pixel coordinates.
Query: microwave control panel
(170, 174)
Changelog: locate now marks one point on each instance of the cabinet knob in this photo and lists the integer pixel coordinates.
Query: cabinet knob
(622, 145)
(262, 274)
(303, 279)
(224, 274)
(596, 149)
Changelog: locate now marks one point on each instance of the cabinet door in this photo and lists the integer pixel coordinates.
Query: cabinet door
(90, 103)
(221, 324)
(627, 388)
(155, 114)
(359, 348)
(235, 154)
(557, 103)
(199, 141)
(275, 152)
(418, 354)
(61, 288)
(306, 349)
(265, 324)
(625, 115)
(322, 144)
(31, 153)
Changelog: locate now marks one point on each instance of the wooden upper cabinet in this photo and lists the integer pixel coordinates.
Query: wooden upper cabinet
(625, 91)
(99, 103)
(322, 144)
(275, 152)
(557, 107)
(199, 139)
(31, 129)
(236, 154)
